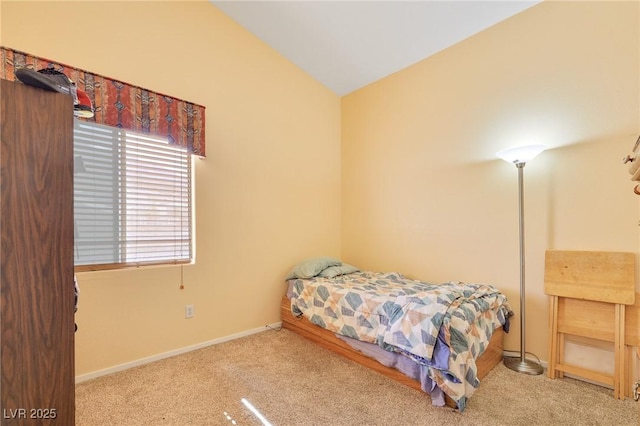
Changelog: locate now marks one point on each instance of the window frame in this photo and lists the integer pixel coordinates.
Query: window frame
(123, 161)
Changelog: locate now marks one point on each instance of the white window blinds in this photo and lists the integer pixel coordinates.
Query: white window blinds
(132, 199)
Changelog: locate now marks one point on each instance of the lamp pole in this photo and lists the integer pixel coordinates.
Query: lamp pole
(522, 365)
(520, 167)
(519, 156)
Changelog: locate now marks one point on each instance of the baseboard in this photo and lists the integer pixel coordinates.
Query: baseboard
(592, 382)
(147, 360)
(545, 366)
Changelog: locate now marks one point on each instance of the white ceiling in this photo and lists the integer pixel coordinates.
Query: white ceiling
(346, 45)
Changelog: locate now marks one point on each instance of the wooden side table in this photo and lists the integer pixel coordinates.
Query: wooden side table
(589, 293)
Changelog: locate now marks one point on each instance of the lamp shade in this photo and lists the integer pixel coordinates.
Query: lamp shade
(521, 154)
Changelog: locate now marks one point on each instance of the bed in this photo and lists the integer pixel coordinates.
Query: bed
(437, 338)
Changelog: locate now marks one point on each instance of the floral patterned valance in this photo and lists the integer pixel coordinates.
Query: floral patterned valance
(122, 105)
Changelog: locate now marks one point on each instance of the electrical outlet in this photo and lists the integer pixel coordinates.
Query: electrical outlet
(189, 311)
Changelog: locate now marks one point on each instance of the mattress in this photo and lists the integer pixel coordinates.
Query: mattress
(430, 332)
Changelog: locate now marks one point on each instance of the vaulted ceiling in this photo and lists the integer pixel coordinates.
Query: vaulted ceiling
(346, 45)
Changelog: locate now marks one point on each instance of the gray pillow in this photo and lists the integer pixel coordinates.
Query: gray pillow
(334, 271)
(311, 267)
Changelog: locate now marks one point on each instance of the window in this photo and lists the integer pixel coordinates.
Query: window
(132, 199)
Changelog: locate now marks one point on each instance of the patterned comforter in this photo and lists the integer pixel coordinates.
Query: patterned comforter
(410, 317)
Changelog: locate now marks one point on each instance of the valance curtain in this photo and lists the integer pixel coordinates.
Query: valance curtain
(122, 105)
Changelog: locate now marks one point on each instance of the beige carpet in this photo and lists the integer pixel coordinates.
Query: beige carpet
(291, 381)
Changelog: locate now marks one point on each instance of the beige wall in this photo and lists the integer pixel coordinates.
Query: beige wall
(423, 192)
(419, 190)
(262, 200)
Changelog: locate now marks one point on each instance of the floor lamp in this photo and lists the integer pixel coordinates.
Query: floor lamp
(520, 156)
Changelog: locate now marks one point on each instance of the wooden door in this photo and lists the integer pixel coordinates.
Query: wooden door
(36, 253)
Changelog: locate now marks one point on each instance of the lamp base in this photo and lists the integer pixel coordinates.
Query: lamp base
(523, 366)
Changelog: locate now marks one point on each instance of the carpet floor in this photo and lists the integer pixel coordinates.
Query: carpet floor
(291, 381)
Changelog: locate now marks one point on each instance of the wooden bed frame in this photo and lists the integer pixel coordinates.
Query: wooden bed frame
(325, 338)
